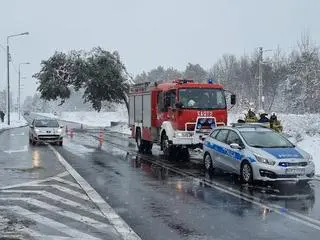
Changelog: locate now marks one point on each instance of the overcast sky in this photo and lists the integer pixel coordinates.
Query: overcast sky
(148, 33)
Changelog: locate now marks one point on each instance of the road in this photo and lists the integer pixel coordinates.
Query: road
(157, 199)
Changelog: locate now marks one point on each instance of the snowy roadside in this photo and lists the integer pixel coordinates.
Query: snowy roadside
(94, 119)
(14, 122)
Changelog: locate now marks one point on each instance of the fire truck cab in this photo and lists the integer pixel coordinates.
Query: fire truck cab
(176, 115)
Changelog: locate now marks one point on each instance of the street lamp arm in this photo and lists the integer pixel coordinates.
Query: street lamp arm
(23, 63)
(16, 35)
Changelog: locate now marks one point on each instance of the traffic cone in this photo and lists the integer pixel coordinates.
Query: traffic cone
(100, 138)
(71, 133)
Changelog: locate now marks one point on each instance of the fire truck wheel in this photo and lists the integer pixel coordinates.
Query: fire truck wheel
(168, 150)
(139, 141)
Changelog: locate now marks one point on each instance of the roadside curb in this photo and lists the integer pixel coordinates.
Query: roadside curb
(124, 230)
(6, 129)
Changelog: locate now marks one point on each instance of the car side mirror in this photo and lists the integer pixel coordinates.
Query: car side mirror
(31, 126)
(233, 99)
(235, 146)
(178, 105)
(61, 126)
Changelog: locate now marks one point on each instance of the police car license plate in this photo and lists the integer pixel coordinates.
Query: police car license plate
(297, 171)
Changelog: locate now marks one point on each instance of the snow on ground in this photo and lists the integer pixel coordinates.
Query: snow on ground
(93, 119)
(14, 122)
(122, 128)
(310, 144)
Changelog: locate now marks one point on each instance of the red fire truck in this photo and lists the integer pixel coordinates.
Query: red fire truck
(176, 115)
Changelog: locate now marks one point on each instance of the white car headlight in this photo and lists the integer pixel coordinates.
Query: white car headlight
(265, 160)
(309, 159)
(183, 134)
(59, 130)
(37, 130)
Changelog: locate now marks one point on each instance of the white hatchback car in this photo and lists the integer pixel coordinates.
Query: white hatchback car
(46, 130)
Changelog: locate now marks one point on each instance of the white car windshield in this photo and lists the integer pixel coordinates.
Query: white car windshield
(46, 123)
(265, 139)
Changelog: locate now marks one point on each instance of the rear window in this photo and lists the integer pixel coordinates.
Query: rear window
(222, 135)
(233, 137)
(214, 133)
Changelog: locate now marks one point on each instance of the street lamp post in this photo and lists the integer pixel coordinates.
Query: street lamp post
(260, 76)
(8, 71)
(19, 87)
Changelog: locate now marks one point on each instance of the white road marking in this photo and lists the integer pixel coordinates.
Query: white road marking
(36, 235)
(36, 182)
(102, 227)
(59, 199)
(66, 190)
(49, 222)
(17, 134)
(119, 224)
(66, 182)
(25, 149)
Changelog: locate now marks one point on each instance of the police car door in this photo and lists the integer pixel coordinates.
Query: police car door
(234, 156)
(220, 150)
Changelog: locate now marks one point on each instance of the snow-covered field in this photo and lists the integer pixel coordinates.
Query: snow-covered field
(14, 122)
(94, 119)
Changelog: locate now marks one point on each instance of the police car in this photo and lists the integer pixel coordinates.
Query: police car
(256, 153)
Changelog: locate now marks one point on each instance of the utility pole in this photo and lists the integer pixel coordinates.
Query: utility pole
(8, 82)
(19, 88)
(260, 78)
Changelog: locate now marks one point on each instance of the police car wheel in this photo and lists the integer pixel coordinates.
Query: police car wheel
(208, 163)
(246, 172)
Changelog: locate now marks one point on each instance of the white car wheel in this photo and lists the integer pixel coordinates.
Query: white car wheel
(246, 173)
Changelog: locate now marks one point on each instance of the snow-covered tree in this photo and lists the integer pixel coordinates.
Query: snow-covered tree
(196, 73)
(100, 73)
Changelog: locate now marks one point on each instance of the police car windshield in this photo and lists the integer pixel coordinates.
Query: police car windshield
(46, 123)
(202, 98)
(265, 139)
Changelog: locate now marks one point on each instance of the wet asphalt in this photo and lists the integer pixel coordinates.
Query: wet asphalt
(20, 162)
(160, 202)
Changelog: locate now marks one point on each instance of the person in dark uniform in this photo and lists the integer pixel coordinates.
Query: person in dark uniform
(2, 114)
(273, 118)
(263, 117)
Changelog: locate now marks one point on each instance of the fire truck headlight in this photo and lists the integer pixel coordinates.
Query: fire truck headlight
(183, 134)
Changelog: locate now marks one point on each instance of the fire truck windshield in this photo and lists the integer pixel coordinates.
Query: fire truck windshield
(202, 98)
